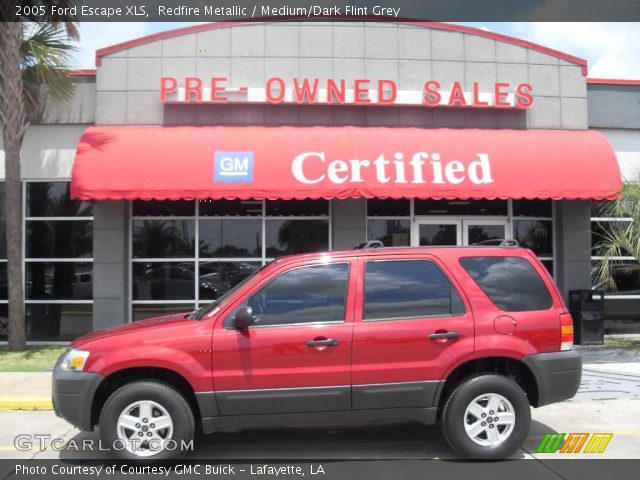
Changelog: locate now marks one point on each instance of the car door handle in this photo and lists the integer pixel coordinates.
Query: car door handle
(326, 342)
(440, 335)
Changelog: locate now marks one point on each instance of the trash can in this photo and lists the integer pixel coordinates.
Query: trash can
(587, 310)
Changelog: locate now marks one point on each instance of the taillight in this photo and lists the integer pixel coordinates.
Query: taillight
(566, 331)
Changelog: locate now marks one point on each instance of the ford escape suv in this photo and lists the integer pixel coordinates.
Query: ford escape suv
(468, 337)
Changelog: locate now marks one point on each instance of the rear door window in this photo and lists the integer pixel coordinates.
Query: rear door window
(397, 289)
(510, 282)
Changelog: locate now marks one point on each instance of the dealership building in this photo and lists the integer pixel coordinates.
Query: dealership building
(189, 158)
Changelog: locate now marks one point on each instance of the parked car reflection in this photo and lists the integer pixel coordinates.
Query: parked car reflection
(176, 281)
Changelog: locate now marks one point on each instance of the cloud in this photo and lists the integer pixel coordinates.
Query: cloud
(97, 35)
(612, 49)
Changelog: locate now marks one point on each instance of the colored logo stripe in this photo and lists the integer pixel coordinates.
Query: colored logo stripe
(598, 442)
(574, 443)
(551, 443)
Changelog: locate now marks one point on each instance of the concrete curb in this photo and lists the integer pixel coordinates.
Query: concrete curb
(40, 403)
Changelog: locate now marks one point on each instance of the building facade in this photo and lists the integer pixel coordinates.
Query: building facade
(105, 260)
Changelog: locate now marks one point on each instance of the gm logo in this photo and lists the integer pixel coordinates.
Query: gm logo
(233, 167)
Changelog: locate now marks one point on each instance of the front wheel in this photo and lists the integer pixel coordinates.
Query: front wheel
(147, 420)
(487, 417)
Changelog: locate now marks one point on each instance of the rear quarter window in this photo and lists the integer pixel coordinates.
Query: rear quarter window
(510, 282)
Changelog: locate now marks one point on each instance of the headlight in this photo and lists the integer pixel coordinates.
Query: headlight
(74, 360)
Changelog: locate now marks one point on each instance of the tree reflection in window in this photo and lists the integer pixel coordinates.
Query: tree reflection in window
(284, 237)
(163, 238)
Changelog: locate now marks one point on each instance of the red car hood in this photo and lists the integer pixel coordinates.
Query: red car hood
(128, 327)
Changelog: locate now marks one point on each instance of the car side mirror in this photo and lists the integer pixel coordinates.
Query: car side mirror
(244, 318)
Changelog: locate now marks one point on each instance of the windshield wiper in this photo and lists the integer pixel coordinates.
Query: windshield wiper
(202, 311)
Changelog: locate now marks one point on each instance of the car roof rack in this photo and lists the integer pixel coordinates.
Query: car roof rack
(369, 245)
(496, 242)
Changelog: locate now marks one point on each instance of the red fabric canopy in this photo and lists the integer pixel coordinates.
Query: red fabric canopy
(341, 162)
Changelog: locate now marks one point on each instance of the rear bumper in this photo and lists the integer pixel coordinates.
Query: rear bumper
(73, 394)
(557, 375)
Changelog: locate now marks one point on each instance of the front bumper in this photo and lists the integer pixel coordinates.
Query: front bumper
(557, 375)
(72, 396)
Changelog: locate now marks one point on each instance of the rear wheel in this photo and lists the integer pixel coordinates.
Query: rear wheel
(486, 417)
(146, 420)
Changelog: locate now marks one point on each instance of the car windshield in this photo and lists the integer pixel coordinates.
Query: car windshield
(200, 313)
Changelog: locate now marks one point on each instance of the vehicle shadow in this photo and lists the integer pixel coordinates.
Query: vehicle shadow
(390, 442)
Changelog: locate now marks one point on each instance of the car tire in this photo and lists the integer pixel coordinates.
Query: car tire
(128, 422)
(475, 428)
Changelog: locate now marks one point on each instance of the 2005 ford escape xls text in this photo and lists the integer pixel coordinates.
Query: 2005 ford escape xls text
(468, 337)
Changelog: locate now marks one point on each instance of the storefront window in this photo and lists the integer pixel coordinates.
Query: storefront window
(377, 207)
(199, 250)
(285, 237)
(218, 277)
(230, 208)
(142, 311)
(59, 281)
(458, 222)
(59, 239)
(625, 271)
(601, 228)
(532, 208)
(52, 199)
(163, 208)
(389, 221)
(625, 275)
(389, 232)
(4, 321)
(61, 322)
(163, 281)
(297, 208)
(230, 238)
(58, 263)
(438, 234)
(536, 235)
(3, 271)
(163, 238)
(3, 234)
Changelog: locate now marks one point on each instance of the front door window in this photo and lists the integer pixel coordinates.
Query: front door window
(438, 233)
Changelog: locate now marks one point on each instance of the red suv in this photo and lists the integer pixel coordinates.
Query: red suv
(469, 337)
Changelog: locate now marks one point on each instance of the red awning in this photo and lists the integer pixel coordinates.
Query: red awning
(341, 162)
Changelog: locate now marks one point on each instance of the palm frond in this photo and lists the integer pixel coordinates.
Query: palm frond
(45, 59)
(620, 239)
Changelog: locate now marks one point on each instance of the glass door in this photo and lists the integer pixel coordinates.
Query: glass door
(483, 231)
(437, 232)
(452, 232)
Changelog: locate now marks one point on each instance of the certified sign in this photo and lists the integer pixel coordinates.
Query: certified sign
(233, 167)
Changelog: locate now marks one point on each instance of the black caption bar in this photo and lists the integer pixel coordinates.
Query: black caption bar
(376, 10)
(522, 469)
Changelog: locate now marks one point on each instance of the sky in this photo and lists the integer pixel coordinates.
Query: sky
(611, 49)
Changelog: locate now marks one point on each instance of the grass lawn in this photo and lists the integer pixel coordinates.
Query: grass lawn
(631, 343)
(33, 359)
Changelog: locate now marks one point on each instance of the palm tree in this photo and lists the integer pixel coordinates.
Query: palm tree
(622, 239)
(33, 61)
